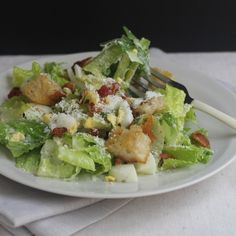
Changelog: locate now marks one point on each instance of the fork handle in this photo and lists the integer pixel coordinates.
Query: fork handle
(228, 120)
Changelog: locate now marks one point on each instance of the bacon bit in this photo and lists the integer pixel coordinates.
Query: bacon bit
(59, 132)
(14, 92)
(106, 90)
(57, 96)
(83, 62)
(94, 132)
(165, 156)
(148, 128)
(118, 161)
(200, 139)
(70, 86)
(93, 109)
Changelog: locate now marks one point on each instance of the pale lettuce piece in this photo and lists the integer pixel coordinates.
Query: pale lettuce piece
(170, 128)
(21, 136)
(169, 164)
(51, 166)
(95, 148)
(29, 161)
(190, 153)
(100, 65)
(81, 159)
(81, 151)
(20, 75)
(13, 109)
(56, 72)
(127, 55)
(174, 99)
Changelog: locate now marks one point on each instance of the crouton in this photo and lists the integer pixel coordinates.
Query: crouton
(130, 145)
(42, 90)
(152, 105)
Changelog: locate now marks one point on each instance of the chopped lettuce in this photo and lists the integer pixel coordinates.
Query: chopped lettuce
(29, 161)
(96, 150)
(191, 116)
(169, 164)
(170, 128)
(189, 153)
(51, 166)
(77, 158)
(56, 71)
(129, 53)
(21, 136)
(20, 75)
(13, 109)
(74, 153)
(184, 156)
(174, 99)
(100, 65)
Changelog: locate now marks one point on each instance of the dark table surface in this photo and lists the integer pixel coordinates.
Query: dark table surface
(69, 26)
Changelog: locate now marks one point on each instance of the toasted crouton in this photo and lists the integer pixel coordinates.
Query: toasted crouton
(130, 145)
(152, 105)
(43, 90)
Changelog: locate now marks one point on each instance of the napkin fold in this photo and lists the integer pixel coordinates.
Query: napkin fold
(25, 211)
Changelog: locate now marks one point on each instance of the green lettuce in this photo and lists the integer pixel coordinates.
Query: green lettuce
(79, 152)
(56, 71)
(170, 128)
(184, 156)
(51, 166)
(128, 53)
(21, 136)
(96, 150)
(190, 153)
(13, 109)
(100, 65)
(174, 99)
(29, 161)
(169, 164)
(20, 75)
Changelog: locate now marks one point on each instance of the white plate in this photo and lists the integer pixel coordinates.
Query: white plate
(222, 139)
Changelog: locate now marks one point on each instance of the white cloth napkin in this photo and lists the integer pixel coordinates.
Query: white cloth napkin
(26, 211)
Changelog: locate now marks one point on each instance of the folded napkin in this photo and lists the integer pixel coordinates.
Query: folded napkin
(25, 211)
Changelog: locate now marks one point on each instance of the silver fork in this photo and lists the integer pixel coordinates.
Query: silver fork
(157, 80)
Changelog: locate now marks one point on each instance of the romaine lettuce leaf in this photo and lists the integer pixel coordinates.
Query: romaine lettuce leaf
(21, 136)
(169, 164)
(174, 99)
(96, 150)
(129, 52)
(102, 62)
(78, 158)
(20, 75)
(189, 153)
(51, 166)
(29, 161)
(170, 128)
(56, 72)
(13, 109)
(81, 151)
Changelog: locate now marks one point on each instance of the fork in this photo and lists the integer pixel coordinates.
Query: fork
(157, 80)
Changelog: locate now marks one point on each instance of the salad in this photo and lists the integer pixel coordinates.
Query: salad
(66, 122)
